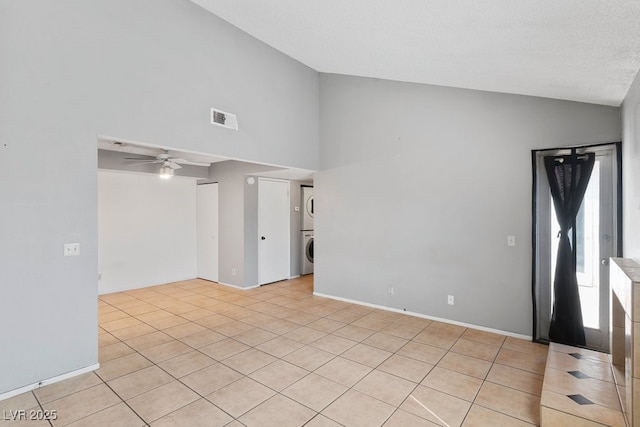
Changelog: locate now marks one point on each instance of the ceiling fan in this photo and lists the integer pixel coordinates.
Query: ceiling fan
(168, 163)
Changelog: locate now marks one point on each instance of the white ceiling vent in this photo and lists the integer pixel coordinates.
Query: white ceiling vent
(227, 120)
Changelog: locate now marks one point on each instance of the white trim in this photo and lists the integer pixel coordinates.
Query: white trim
(424, 316)
(238, 287)
(294, 277)
(48, 381)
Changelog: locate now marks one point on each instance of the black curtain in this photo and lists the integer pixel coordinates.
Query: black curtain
(568, 179)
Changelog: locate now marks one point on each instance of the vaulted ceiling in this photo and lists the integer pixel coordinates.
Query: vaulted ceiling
(580, 50)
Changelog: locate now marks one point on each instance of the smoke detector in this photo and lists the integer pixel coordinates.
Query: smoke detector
(224, 119)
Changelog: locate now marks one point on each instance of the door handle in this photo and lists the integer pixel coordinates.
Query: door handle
(605, 261)
(263, 238)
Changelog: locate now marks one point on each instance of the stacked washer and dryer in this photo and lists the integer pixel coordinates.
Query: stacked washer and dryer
(307, 229)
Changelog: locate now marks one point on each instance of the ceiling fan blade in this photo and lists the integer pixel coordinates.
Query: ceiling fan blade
(190, 163)
(172, 164)
(144, 162)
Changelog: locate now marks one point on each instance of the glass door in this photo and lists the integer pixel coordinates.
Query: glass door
(595, 243)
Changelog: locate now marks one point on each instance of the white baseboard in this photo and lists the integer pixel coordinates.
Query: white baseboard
(48, 381)
(238, 287)
(424, 316)
(294, 277)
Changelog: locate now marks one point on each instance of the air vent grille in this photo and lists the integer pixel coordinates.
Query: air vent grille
(224, 119)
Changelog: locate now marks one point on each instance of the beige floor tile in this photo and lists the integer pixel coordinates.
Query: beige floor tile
(202, 339)
(366, 355)
(518, 379)
(64, 388)
(601, 392)
(591, 367)
(139, 382)
(385, 342)
(358, 410)
(153, 315)
(333, 344)
(309, 358)
(22, 401)
(516, 359)
(232, 328)
(186, 364)
(405, 367)
(321, 421)
(112, 315)
(593, 412)
(161, 401)
(167, 322)
(213, 321)
(280, 346)
(165, 351)
(422, 352)
(386, 387)
(106, 339)
(315, 391)
(402, 418)
(115, 325)
(454, 383)
(526, 346)
(467, 365)
(280, 326)
(241, 396)
(223, 349)
(249, 361)
(279, 375)
(446, 328)
(82, 404)
(589, 354)
(199, 413)
(114, 351)
(304, 335)
(119, 415)
(523, 406)
(149, 340)
(551, 417)
(354, 333)
(425, 402)
(475, 349)
(211, 378)
(302, 318)
(140, 309)
(344, 316)
(184, 329)
(343, 371)
(326, 325)
(278, 411)
(122, 366)
(372, 323)
(483, 337)
(133, 331)
(436, 339)
(254, 337)
(199, 313)
(482, 417)
(402, 330)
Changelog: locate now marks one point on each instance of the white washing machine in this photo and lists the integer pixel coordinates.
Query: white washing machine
(307, 252)
(308, 208)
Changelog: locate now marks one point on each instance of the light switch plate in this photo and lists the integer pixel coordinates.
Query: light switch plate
(71, 249)
(511, 240)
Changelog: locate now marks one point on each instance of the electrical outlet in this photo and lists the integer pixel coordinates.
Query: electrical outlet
(71, 249)
(450, 300)
(233, 271)
(511, 240)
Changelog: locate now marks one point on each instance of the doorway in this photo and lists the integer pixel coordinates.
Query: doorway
(595, 240)
(274, 230)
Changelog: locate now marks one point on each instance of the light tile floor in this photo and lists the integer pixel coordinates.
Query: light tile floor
(196, 353)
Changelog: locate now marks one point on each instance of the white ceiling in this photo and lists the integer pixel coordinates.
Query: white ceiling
(581, 50)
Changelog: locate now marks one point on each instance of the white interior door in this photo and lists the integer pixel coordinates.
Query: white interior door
(273, 230)
(207, 219)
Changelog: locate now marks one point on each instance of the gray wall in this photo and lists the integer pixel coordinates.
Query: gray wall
(420, 186)
(148, 71)
(631, 172)
(238, 221)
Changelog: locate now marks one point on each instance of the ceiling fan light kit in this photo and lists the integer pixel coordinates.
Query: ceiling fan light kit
(166, 172)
